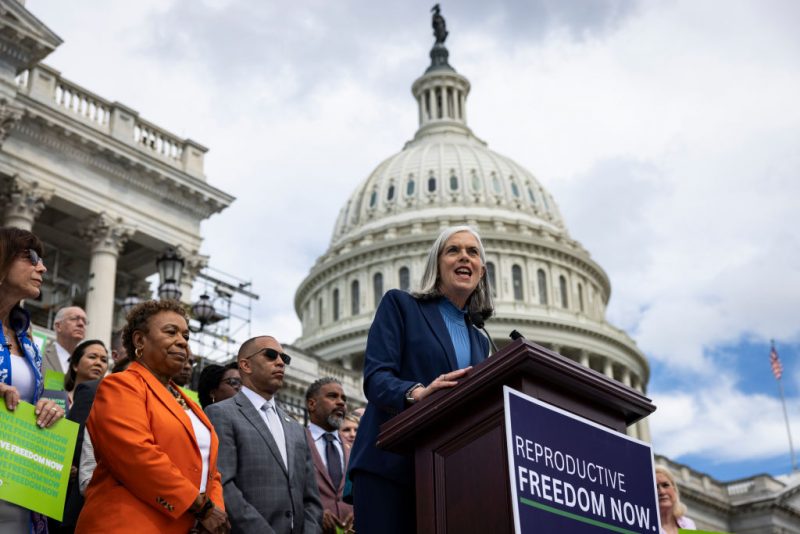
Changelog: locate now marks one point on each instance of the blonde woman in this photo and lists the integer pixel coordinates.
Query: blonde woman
(670, 507)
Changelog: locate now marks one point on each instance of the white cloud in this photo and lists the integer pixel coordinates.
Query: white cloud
(701, 423)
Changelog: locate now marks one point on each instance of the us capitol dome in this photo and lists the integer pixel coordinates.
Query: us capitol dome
(545, 284)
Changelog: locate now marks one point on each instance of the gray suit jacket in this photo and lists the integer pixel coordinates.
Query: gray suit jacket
(50, 360)
(260, 496)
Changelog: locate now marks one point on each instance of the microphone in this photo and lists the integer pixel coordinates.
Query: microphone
(514, 335)
(477, 320)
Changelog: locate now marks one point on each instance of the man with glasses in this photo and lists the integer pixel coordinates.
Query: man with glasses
(70, 326)
(268, 477)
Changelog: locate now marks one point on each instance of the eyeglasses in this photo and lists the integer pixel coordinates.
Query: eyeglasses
(233, 382)
(271, 355)
(33, 257)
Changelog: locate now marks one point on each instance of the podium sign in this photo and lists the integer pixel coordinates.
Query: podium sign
(569, 474)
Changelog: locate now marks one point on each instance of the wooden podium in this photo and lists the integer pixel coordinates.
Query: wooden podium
(458, 436)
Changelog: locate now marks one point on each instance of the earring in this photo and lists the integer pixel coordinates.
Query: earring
(213, 400)
(138, 353)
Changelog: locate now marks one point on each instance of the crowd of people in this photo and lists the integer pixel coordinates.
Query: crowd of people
(151, 460)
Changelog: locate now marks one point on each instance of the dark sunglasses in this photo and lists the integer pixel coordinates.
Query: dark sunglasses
(33, 257)
(272, 354)
(233, 382)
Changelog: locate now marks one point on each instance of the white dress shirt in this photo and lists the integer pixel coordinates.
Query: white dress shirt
(63, 357)
(269, 414)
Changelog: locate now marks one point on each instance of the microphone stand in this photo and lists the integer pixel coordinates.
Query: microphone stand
(477, 320)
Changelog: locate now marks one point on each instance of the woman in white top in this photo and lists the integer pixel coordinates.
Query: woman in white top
(21, 272)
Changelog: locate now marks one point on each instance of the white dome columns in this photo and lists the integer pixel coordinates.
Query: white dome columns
(441, 97)
(107, 236)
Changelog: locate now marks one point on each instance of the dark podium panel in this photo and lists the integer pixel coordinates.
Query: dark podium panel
(458, 435)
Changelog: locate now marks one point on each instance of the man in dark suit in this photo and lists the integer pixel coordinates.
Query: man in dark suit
(326, 403)
(267, 472)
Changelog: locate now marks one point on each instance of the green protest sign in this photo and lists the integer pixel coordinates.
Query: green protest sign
(35, 462)
(53, 380)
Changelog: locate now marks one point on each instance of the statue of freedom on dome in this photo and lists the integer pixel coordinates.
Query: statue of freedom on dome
(439, 25)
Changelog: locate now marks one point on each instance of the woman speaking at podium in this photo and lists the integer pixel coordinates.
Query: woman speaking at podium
(417, 344)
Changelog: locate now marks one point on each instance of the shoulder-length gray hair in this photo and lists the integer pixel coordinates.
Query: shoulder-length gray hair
(480, 302)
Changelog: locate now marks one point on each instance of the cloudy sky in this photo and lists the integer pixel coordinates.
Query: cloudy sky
(668, 132)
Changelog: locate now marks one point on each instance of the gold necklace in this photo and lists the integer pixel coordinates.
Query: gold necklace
(177, 395)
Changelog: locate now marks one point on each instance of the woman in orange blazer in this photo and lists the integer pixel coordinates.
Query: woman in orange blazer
(156, 450)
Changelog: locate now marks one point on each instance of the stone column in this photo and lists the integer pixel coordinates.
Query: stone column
(626, 377)
(608, 368)
(23, 201)
(644, 430)
(583, 356)
(107, 236)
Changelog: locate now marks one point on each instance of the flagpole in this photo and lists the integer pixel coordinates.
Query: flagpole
(778, 374)
(788, 431)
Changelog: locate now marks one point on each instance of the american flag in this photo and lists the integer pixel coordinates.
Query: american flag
(777, 368)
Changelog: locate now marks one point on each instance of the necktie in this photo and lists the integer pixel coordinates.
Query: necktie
(276, 429)
(333, 458)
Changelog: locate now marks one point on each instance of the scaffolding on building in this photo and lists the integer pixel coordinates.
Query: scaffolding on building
(218, 340)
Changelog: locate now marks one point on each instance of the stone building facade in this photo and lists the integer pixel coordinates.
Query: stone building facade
(105, 189)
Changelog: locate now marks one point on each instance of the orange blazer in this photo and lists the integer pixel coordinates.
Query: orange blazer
(148, 462)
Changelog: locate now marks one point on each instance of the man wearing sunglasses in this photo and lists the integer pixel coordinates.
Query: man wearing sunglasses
(70, 326)
(268, 476)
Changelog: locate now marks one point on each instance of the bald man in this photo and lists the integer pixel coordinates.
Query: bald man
(267, 473)
(70, 326)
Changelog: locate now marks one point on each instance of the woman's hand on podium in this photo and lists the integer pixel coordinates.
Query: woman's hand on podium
(444, 381)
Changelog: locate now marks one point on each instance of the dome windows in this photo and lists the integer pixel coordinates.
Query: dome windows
(410, 186)
(541, 279)
(404, 278)
(377, 287)
(514, 188)
(390, 193)
(475, 181)
(373, 199)
(496, 185)
(531, 196)
(562, 284)
(335, 304)
(355, 294)
(453, 181)
(432, 184)
(580, 297)
(491, 277)
(516, 282)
